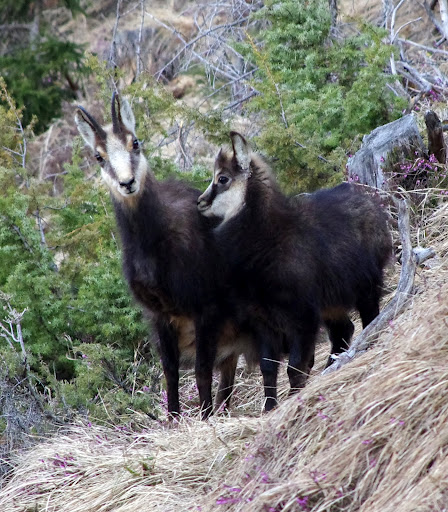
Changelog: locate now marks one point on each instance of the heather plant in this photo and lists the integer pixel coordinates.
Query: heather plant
(419, 173)
(317, 93)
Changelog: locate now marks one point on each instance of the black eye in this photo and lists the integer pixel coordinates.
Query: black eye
(223, 180)
(99, 158)
(135, 144)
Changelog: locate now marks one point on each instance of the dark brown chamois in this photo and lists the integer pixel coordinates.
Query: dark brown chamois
(295, 264)
(168, 259)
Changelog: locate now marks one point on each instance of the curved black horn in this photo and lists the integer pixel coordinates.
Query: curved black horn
(93, 123)
(116, 116)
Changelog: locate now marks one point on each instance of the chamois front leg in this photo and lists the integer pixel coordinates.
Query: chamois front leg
(207, 327)
(268, 341)
(169, 354)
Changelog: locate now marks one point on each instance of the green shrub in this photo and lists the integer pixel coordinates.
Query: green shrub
(318, 94)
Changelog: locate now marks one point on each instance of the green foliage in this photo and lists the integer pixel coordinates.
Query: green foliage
(318, 94)
(40, 77)
(157, 110)
(60, 259)
(39, 69)
(25, 9)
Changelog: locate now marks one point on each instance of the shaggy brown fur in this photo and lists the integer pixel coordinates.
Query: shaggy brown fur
(169, 260)
(295, 263)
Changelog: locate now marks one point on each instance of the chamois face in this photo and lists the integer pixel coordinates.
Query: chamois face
(117, 149)
(226, 194)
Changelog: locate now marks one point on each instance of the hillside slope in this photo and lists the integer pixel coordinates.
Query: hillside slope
(372, 436)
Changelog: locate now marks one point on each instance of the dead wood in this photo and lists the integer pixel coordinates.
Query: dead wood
(396, 141)
(436, 142)
(409, 260)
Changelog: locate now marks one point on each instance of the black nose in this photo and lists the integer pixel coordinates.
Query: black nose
(128, 183)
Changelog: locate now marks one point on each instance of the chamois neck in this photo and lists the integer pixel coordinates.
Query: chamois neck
(262, 193)
(143, 217)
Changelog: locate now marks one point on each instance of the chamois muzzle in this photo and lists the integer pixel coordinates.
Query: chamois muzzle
(128, 185)
(204, 202)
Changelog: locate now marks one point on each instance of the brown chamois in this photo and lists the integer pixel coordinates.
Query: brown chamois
(295, 264)
(169, 259)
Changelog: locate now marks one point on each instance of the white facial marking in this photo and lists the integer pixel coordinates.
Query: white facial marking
(119, 158)
(230, 202)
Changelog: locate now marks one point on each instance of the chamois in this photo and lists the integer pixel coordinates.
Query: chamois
(169, 260)
(295, 264)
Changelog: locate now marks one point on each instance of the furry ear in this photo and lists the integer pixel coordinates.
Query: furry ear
(240, 150)
(85, 128)
(122, 115)
(127, 115)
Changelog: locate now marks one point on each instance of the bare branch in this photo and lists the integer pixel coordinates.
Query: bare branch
(176, 33)
(139, 41)
(422, 46)
(394, 14)
(20, 235)
(410, 73)
(113, 49)
(10, 27)
(405, 25)
(333, 4)
(242, 100)
(432, 17)
(443, 6)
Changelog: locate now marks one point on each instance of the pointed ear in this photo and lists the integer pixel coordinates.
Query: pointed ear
(85, 128)
(240, 150)
(127, 116)
(122, 114)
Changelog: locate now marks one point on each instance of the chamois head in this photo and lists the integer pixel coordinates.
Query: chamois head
(225, 196)
(116, 148)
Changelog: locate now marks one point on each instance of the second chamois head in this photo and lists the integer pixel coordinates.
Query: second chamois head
(226, 195)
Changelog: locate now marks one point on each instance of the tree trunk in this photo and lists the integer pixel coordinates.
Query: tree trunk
(334, 12)
(386, 145)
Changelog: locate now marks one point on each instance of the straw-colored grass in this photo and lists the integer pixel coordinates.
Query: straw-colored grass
(372, 436)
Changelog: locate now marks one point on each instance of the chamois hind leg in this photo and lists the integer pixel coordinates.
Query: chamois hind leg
(301, 355)
(208, 327)
(169, 354)
(340, 332)
(227, 379)
(368, 306)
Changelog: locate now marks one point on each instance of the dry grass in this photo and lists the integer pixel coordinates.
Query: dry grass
(372, 436)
